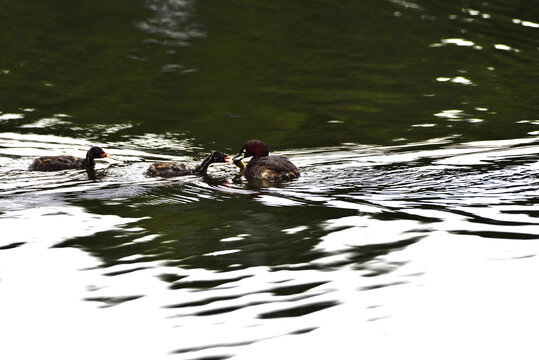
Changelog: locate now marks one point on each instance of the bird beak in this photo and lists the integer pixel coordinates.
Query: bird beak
(228, 159)
(238, 157)
(104, 155)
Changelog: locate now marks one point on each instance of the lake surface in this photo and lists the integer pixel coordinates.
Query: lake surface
(411, 233)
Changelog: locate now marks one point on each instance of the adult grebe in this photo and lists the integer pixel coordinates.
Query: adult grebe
(264, 166)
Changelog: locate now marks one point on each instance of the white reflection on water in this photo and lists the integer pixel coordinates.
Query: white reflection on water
(11, 116)
(173, 21)
(526, 23)
(42, 288)
(443, 304)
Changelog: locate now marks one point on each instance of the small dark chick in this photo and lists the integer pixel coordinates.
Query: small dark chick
(63, 162)
(167, 169)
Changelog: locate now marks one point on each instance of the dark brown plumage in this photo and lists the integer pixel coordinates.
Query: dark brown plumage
(179, 169)
(264, 166)
(63, 162)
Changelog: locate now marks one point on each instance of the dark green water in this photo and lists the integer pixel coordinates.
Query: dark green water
(411, 232)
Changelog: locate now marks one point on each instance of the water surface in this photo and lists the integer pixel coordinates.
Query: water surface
(411, 232)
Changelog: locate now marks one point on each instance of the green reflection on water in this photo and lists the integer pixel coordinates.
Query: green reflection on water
(296, 73)
(223, 235)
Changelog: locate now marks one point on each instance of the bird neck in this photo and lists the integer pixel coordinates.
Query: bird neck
(90, 160)
(203, 166)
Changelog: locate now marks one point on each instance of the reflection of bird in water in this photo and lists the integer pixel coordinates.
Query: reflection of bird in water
(63, 162)
(264, 166)
(167, 169)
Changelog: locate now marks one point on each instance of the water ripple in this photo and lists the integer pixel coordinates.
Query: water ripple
(275, 262)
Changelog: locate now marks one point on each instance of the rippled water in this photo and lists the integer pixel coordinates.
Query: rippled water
(412, 232)
(407, 244)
